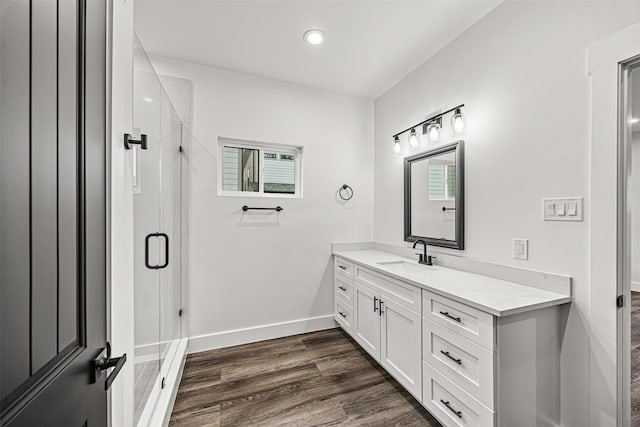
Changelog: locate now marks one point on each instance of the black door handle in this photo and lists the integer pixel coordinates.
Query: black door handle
(146, 251)
(101, 363)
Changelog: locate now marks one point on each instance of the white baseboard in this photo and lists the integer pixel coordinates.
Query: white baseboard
(259, 333)
(635, 286)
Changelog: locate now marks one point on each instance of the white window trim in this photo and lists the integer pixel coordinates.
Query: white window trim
(297, 151)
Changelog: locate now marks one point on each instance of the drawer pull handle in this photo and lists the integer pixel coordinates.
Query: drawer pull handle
(342, 267)
(342, 288)
(375, 304)
(342, 314)
(446, 353)
(381, 312)
(446, 314)
(449, 407)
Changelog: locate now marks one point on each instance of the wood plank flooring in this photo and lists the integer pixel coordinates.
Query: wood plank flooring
(317, 379)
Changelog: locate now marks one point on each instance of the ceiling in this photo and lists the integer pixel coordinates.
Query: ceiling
(369, 45)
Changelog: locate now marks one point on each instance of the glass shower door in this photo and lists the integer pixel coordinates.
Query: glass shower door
(158, 215)
(171, 225)
(146, 199)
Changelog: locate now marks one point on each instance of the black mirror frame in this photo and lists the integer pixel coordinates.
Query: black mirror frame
(458, 243)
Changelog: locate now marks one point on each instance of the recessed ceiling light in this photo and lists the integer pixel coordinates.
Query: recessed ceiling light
(314, 37)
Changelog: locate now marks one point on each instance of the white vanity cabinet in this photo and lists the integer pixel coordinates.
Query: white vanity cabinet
(387, 324)
(466, 366)
(343, 288)
(484, 370)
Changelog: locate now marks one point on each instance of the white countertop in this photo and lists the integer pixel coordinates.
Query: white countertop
(494, 296)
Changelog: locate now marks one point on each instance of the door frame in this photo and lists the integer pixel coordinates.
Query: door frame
(609, 330)
(623, 249)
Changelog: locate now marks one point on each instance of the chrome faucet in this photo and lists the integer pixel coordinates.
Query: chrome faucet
(423, 258)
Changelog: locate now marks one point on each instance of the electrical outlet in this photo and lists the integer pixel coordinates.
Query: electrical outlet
(521, 248)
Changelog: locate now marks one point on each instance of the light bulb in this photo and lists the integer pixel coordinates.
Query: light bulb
(434, 131)
(457, 121)
(434, 134)
(397, 148)
(413, 139)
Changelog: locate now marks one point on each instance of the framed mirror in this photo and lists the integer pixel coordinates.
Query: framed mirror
(434, 196)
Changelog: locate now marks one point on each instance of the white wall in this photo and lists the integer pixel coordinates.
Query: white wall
(254, 269)
(522, 73)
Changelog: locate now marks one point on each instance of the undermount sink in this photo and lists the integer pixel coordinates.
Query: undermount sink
(406, 267)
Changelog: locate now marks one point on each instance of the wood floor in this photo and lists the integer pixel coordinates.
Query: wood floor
(317, 379)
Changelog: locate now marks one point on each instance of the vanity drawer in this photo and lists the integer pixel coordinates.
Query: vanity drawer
(467, 321)
(451, 405)
(402, 293)
(343, 267)
(344, 288)
(467, 364)
(344, 315)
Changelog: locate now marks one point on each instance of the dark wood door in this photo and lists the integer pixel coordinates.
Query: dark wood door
(53, 212)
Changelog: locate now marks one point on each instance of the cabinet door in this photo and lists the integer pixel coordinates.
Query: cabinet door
(401, 350)
(367, 319)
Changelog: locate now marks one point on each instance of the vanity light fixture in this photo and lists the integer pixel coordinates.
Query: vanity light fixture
(397, 148)
(314, 37)
(432, 127)
(457, 121)
(413, 139)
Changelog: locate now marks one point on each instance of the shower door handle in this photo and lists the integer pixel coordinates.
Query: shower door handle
(166, 249)
(146, 251)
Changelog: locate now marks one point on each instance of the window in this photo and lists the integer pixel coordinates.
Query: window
(442, 181)
(259, 169)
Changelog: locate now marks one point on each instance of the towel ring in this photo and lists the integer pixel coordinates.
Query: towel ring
(345, 192)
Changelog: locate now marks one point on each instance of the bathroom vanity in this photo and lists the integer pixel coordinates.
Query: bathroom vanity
(474, 350)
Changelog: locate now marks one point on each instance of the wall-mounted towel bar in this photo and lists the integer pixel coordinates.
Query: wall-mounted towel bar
(277, 208)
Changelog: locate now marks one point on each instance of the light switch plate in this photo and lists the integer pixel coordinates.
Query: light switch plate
(521, 248)
(563, 209)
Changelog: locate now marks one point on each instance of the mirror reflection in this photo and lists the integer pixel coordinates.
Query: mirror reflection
(434, 196)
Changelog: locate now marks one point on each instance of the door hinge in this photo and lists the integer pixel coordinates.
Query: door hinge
(620, 301)
(162, 385)
(180, 313)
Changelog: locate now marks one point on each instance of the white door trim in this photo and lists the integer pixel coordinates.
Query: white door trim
(609, 327)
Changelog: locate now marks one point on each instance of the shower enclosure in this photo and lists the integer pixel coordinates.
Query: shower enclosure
(159, 187)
